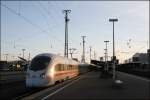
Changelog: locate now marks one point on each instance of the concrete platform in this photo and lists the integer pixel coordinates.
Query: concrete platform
(90, 86)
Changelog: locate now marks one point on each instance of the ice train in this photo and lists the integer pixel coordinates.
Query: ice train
(47, 69)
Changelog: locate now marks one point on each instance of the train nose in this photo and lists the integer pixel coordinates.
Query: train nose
(37, 82)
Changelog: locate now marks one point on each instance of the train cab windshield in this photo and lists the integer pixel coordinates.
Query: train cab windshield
(39, 63)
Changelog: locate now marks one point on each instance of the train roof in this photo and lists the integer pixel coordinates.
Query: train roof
(54, 56)
(47, 54)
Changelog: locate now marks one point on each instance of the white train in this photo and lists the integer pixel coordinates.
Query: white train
(46, 69)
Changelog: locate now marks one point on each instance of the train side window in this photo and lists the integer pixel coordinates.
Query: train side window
(76, 66)
(73, 67)
(70, 67)
(62, 67)
(58, 67)
(65, 67)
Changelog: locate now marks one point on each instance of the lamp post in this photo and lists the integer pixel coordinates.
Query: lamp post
(23, 52)
(114, 57)
(6, 57)
(90, 53)
(148, 53)
(106, 56)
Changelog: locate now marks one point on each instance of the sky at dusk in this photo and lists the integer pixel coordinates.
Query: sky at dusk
(39, 27)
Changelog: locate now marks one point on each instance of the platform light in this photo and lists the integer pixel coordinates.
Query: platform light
(114, 57)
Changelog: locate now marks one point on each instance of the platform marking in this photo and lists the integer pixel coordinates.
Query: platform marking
(44, 98)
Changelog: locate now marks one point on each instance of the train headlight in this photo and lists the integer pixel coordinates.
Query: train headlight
(42, 75)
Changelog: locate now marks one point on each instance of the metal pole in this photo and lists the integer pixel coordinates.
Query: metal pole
(0, 38)
(6, 57)
(72, 51)
(148, 53)
(94, 55)
(66, 29)
(71, 55)
(105, 60)
(106, 56)
(23, 52)
(83, 57)
(90, 53)
(66, 32)
(114, 57)
(29, 57)
(114, 66)
(113, 41)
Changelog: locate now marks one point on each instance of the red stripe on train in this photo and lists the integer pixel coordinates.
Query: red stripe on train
(58, 74)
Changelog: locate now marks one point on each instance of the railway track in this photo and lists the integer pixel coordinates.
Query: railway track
(27, 93)
(18, 90)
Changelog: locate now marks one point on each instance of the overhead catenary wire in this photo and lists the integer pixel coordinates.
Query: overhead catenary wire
(19, 7)
(45, 18)
(56, 20)
(48, 12)
(56, 23)
(77, 43)
(28, 21)
(18, 13)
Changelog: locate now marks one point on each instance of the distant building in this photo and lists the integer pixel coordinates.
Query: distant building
(140, 58)
(13, 65)
(101, 59)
